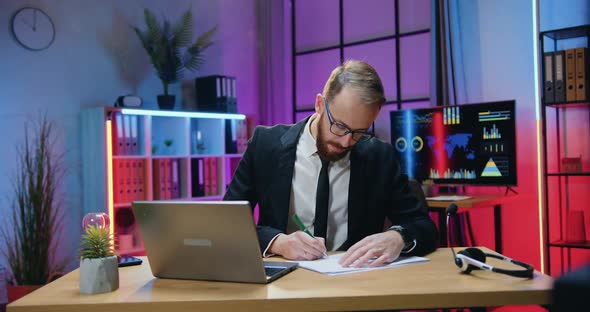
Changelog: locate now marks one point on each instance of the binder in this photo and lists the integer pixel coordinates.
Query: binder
(118, 144)
(206, 176)
(559, 76)
(126, 135)
(140, 180)
(197, 177)
(570, 74)
(157, 179)
(117, 185)
(548, 91)
(216, 93)
(198, 183)
(134, 180)
(213, 176)
(581, 89)
(218, 87)
(128, 181)
(134, 147)
(174, 178)
(167, 179)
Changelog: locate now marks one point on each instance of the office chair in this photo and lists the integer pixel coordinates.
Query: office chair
(570, 291)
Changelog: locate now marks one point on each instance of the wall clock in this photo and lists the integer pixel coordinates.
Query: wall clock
(33, 29)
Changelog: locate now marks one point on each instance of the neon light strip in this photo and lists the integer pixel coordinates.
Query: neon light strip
(144, 112)
(535, 10)
(409, 144)
(111, 209)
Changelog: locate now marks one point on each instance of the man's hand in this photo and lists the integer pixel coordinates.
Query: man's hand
(385, 246)
(298, 246)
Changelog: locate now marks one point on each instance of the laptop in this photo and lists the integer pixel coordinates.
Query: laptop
(203, 240)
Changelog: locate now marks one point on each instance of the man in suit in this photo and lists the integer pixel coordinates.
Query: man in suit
(343, 183)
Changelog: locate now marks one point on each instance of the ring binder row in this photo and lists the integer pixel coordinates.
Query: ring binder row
(205, 176)
(128, 180)
(565, 76)
(216, 93)
(166, 178)
(126, 129)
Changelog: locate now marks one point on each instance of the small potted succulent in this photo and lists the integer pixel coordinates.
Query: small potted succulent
(99, 270)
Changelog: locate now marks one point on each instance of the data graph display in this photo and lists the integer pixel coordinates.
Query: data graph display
(469, 144)
(492, 133)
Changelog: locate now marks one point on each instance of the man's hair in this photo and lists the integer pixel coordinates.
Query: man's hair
(359, 76)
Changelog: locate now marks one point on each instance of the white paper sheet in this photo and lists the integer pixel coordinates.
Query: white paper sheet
(330, 265)
(448, 197)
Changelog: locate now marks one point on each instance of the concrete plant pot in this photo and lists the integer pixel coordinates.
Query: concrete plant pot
(99, 275)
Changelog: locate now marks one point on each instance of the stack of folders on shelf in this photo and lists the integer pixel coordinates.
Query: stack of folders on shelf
(128, 180)
(204, 176)
(125, 134)
(216, 94)
(166, 178)
(236, 136)
(565, 76)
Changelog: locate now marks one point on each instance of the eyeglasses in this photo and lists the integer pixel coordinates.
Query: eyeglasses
(341, 129)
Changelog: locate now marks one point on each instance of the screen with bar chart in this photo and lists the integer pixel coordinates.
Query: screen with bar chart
(462, 144)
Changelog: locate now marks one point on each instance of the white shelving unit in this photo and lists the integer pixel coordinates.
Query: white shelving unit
(115, 140)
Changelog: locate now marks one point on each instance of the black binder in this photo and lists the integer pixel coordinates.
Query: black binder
(216, 93)
(548, 87)
(559, 76)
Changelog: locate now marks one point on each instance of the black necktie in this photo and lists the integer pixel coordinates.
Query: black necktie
(320, 226)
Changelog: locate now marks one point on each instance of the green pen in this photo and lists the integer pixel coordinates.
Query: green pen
(304, 228)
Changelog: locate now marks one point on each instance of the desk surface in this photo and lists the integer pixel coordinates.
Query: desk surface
(432, 284)
(473, 202)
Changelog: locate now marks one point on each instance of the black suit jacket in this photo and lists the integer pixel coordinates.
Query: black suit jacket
(377, 188)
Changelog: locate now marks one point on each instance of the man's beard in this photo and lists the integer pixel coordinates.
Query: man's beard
(323, 149)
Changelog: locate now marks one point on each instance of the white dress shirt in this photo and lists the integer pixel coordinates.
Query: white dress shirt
(303, 191)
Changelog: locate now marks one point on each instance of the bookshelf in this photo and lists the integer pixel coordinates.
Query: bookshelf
(135, 154)
(566, 133)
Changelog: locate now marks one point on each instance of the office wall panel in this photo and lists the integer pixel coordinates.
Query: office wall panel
(414, 15)
(316, 24)
(312, 71)
(381, 55)
(415, 66)
(368, 19)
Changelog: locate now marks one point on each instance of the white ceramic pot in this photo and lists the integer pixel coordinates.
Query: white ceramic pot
(99, 275)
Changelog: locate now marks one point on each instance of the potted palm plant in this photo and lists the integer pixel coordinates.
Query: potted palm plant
(171, 50)
(99, 268)
(30, 235)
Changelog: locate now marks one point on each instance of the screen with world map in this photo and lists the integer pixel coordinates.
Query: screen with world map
(463, 144)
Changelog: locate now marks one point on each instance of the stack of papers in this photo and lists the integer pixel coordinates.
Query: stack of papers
(330, 266)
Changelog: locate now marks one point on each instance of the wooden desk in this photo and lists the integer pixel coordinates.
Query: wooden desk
(433, 284)
(476, 201)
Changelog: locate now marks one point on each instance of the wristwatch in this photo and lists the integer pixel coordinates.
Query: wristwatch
(409, 241)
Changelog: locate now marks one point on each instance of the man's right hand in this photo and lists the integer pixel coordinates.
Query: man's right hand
(298, 246)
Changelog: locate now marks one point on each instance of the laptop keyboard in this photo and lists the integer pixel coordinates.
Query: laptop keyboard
(270, 271)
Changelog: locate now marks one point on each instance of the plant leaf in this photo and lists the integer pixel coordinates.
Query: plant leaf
(182, 31)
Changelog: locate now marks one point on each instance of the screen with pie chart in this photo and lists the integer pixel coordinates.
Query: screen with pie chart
(461, 144)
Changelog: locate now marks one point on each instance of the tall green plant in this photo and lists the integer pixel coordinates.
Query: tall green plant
(30, 240)
(169, 46)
